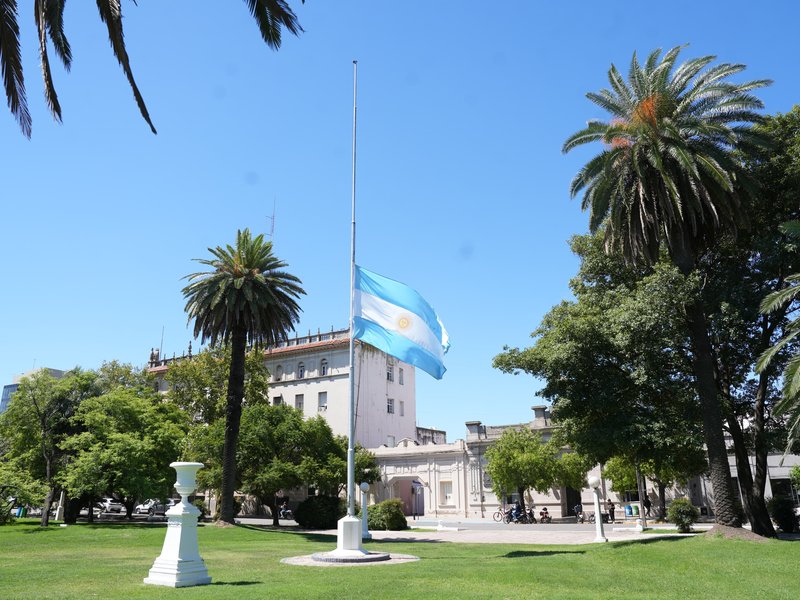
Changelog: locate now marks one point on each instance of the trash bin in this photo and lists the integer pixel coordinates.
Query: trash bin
(24, 511)
(628, 510)
(635, 510)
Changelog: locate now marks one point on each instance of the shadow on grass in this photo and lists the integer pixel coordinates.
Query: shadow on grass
(534, 553)
(312, 537)
(655, 539)
(236, 583)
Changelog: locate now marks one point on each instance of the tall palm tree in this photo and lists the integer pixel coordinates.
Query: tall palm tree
(246, 297)
(790, 402)
(668, 174)
(271, 17)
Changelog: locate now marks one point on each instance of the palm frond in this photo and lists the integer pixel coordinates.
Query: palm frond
(50, 95)
(54, 18)
(780, 298)
(595, 130)
(111, 15)
(272, 16)
(11, 65)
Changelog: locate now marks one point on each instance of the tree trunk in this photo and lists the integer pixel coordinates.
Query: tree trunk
(233, 417)
(48, 502)
(276, 514)
(662, 499)
(761, 450)
(726, 506)
(754, 507)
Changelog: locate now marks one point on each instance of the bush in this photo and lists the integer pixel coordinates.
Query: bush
(781, 509)
(320, 512)
(386, 515)
(201, 506)
(683, 513)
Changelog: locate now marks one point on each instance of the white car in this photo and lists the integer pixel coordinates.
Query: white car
(144, 507)
(111, 505)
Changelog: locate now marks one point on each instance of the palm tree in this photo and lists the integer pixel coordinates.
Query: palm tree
(270, 15)
(668, 174)
(790, 403)
(246, 297)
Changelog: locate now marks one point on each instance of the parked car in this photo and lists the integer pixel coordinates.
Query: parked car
(144, 507)
(111, 505)
(159, 508)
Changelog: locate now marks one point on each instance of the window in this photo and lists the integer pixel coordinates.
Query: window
(301, 371)
(278, 373)
(278, 400)
(322, 401)
(323, 367)
(445, 493)
(400, 376)
(402, 408)
(390, 406)
(298, 401)
(389, 373)
(390, 441)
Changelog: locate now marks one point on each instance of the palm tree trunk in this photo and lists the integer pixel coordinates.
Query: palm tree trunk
(726, 506)
(233, 417)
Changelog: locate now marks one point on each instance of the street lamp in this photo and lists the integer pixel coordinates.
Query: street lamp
(594, 483)
(365, 534)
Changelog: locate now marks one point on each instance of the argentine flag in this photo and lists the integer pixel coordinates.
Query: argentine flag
(396, 319)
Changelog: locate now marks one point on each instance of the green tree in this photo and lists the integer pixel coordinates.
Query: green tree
(271, 16)
(668, 174)
(519, 460)
(787, 300)
(37, 421)
(615, 368)
(199, 385)
(246, 297)
(124, 446)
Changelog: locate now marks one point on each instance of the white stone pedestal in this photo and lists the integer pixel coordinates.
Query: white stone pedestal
(179, 564)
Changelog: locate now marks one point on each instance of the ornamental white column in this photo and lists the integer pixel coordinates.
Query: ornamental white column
(179, 564)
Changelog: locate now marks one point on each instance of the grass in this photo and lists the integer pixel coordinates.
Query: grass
(110, 561)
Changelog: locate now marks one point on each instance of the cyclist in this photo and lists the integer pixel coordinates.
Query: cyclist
(579, 512)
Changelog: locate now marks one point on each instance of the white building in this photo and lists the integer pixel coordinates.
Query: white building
(311, 373)
(450, 480)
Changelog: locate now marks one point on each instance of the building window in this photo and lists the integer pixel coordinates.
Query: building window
(390, 441)
(402, 408)
(301, 371)
(278, 400)
(400, 376)
(323, 367)
(389, 373)
(445, 493)
(298, 401)
(278, 373)
(390, 406)
(322, 402)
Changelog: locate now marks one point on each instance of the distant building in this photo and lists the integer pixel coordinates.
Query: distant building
(450, 480)
(12, 387)
(311, 373)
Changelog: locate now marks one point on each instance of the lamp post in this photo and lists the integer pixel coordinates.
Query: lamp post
(365, 534)
(594, 483)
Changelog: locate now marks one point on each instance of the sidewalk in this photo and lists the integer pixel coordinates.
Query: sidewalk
(465, 532)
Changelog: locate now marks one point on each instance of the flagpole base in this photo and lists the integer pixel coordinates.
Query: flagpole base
(348, 545)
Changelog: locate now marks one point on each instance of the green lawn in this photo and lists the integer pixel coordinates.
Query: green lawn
(110, 561)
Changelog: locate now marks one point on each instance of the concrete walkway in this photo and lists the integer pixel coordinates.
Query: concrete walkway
(465, 532)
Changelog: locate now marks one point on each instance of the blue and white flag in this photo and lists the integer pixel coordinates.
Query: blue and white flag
(396, 319)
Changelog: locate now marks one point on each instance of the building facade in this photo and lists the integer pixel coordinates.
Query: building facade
(311, 373)
(450, 480)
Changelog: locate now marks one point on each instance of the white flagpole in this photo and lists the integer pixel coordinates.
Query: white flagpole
(351, 438)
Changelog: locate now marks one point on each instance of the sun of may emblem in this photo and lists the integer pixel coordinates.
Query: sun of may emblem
(404, 322)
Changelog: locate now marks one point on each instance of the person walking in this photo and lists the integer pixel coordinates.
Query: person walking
(610, 508)
(646, 503)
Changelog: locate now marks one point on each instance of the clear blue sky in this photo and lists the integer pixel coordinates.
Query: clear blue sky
(462, 187)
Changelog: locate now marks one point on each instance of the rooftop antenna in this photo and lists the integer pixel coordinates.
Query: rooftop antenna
(161, 347)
